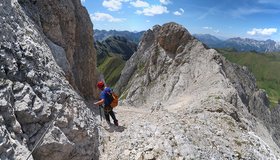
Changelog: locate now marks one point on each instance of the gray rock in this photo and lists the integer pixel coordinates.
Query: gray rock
(70, 42)
(33, 95)
(212, 108)
(139, 156)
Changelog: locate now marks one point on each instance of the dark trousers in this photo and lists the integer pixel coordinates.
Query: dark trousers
(108, 114)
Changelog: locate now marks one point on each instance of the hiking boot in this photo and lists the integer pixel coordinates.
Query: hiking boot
(116, 123)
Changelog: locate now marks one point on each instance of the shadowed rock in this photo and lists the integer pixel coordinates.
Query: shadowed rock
(69, 34)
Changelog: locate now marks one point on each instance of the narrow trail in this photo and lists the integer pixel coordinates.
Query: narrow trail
(144, 133)
(129, 118)
(141, 134)
(179, 131)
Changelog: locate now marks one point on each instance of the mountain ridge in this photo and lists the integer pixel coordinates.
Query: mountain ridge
(240, 44)
(174, 74)
(237, 43)
(101, 35)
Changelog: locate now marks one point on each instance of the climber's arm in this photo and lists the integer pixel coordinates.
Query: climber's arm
(99, 102)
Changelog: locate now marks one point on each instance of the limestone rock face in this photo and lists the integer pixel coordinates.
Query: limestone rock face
(36, 98)
(171, 36)
(68, 28)
(224, 115)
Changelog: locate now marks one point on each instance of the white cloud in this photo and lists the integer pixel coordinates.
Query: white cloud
(139, 3)
(262, 31)
(165, 2)
(207, 27)
(113, 5)
(83, 1)
(148, 21)
(179, 13)
(153, 10)
(97, 16)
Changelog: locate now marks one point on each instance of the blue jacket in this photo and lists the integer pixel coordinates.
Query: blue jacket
(105, 94)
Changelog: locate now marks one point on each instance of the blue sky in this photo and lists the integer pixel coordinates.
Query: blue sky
(258, 19)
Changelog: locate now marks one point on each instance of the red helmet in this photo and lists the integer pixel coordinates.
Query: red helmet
(100, 84)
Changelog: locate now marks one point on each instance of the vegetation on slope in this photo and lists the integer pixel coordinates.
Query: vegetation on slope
(112, 54)
(111, 68)
(265, 67)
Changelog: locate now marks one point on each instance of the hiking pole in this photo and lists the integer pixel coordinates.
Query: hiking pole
(100, 112)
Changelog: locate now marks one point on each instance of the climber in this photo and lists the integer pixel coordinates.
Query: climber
(106, 100)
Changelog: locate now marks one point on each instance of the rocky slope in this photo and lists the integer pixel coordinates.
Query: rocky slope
(204, 107)
(195, 104)
(35, 96)
(161, 133)
(69, 35)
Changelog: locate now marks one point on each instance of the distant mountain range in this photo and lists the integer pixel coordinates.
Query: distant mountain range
(115, 45)
(239, 44)
(101, 35)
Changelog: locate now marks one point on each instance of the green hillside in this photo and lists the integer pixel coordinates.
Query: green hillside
(265, 67)
(111, 68)
(112, 54)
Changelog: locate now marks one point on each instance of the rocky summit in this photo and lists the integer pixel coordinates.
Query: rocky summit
(201, 106)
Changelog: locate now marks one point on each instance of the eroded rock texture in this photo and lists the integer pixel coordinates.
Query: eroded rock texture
(69, 34)
(35, 95)
(208, 108)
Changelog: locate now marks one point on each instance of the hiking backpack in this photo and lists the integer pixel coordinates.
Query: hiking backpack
(114, 98)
